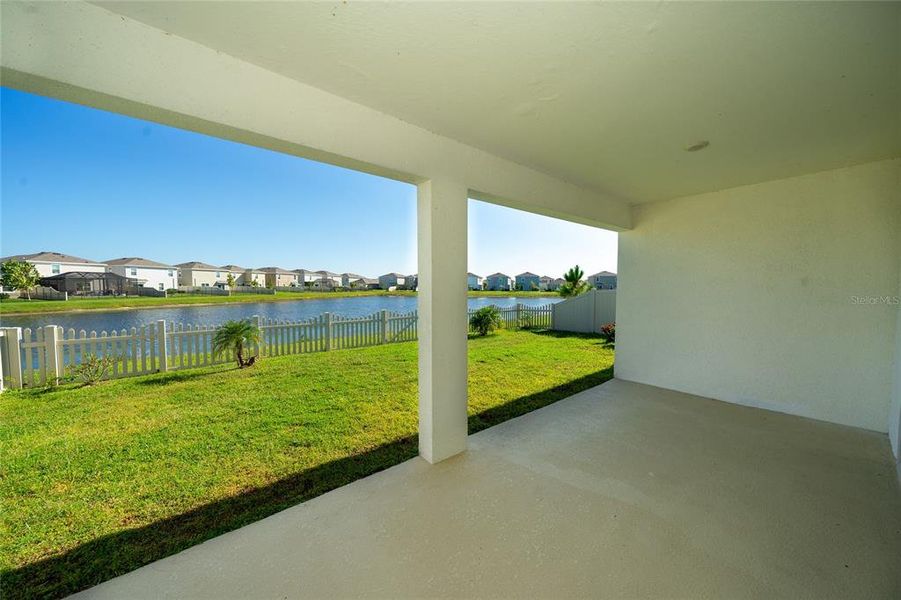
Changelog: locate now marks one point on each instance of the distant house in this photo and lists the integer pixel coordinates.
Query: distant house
(49, 264)
(528, 281)
(354, 281)
(395, 281)
(347, 278)
(244, 276)
(499, 282)
(364, 283)
(201, 274)
(473, 281)
(148, 273)
(605, 280)
(328, 279)
(558, 283)
(278, 277)
(412, 282)
(546, 283)
(306, 277)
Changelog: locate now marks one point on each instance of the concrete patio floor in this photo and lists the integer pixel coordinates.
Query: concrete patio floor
(622, 491)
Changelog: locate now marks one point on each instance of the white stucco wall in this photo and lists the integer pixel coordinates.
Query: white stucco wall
(746, 295)
(153, 276)
(45, 269)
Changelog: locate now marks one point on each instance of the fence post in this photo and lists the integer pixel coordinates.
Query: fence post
(328, 331)
(384, 326)
(12, 349)
(553, 316)
(517, 320)
(259, 322)
(164, 347)
(51, 342)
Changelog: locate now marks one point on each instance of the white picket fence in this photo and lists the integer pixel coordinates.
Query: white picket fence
(43, 355)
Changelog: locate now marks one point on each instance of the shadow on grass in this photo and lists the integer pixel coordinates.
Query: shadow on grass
(595, 337)
(180, 376)
(114, 554)
(520, 406)
(118, 553)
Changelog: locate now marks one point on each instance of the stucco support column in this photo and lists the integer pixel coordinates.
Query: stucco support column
(442, 233)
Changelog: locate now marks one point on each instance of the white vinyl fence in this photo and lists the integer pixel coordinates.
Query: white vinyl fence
(585, 313)
(43, 356)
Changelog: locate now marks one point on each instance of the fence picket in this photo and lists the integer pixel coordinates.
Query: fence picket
(144, 349)
(134, 350)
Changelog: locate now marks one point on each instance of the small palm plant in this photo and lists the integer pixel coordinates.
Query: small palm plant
(236, 335)
(574, 284)
(485, 320)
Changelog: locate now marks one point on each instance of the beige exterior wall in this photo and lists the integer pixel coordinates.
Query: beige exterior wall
(281, 279)
(752, 294)
(199, 277)
(247, 277)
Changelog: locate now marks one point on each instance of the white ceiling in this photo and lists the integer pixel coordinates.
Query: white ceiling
(603, 95)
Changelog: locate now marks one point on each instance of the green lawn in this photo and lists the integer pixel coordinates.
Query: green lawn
(18, 307)
(98, 481)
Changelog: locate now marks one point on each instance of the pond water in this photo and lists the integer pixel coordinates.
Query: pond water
(214, 314)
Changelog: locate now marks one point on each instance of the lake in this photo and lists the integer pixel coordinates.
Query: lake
(215, 314)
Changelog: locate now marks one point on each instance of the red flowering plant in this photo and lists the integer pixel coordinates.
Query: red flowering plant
(608, 333)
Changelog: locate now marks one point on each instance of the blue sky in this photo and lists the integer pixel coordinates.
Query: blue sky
(100, 185)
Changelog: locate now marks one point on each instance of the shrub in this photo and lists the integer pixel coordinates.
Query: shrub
(608, 333)
(4, 296)
(485, 320)
(92, 368)
(525, 320)
(237, 336)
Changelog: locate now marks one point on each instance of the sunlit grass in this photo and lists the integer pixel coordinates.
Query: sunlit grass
(100, 480)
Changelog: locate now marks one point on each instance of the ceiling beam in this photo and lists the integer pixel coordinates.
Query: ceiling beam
(85, 54)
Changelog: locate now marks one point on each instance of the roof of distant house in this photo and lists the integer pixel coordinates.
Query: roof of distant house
(493, 275)
(327, 274)
(473, 275)
(232, 268)
(527, 274)
(196, 265)
(604, 274)
(395, 274)
(546, 278)
(352, 275)
(51, 257)
(137, 261)
(275, 270)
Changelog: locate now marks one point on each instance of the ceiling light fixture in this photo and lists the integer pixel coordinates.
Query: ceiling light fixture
(697, 146)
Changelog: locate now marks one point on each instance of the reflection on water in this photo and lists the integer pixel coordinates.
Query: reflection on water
(218, 313)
